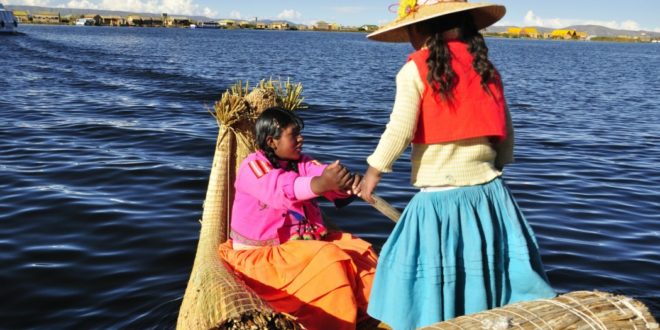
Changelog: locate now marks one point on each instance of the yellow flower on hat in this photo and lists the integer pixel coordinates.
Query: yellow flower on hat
(406, 7)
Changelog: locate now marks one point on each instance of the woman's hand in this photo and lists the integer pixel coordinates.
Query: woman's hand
(369, 183)
(356, 185)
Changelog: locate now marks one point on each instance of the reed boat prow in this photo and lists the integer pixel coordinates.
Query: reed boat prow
(216, 298)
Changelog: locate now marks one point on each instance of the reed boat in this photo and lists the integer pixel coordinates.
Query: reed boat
(217, 299)
(8, 22)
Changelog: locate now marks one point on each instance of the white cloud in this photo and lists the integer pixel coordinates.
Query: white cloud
(533, 19)
(172, 7)
(289, 14)
(656, 29)
(208, 12)
(630, 25)
(79, 4)
(235, 14)
(40, 3)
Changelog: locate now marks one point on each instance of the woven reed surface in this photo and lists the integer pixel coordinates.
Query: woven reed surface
(215, 298)
(574, 310)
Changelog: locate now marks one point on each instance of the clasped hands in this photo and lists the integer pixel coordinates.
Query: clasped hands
(336, 177)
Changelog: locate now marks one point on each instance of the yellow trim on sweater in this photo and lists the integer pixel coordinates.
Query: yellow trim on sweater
(458, 163)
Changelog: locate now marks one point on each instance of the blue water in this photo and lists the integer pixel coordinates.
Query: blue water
(106, 146)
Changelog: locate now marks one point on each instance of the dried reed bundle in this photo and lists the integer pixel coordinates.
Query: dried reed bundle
(574, 310)
(261, 99)
(289, 96)
(215, 297)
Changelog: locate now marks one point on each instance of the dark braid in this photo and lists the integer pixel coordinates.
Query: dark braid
(441, 76)
(271, 123)
(477, 47)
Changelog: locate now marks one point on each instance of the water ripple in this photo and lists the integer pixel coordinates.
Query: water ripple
(106, 144)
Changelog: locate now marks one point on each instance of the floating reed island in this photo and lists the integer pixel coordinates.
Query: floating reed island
(216, 298)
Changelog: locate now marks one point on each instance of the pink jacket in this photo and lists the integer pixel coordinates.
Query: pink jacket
(272, 206)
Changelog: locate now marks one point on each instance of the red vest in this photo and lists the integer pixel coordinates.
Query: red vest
(470, 113)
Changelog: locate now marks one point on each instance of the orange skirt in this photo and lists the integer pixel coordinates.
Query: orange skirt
(325, 284)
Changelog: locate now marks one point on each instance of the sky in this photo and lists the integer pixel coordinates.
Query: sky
(617, 14)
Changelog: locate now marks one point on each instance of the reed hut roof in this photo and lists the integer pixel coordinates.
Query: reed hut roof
(563, 32)
(514, 30)
(531, 30)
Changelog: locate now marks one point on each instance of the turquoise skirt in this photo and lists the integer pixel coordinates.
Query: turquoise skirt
(457, 252)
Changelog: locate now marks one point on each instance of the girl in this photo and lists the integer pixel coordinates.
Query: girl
(462, 244)
(279, 244)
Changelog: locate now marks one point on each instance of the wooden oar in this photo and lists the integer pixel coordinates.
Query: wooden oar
(385, 208)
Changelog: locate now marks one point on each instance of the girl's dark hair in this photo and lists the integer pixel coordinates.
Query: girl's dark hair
(441, 75)
(272, 122)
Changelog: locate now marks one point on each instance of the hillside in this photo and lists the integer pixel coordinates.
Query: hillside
(601, 31)
(77, 11)
(504, 28)
(592, 30)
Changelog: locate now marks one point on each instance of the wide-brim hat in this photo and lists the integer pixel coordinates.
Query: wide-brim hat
(484, 14)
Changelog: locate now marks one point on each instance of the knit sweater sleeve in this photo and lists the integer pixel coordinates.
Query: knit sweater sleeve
(400, 130)
(505, 148)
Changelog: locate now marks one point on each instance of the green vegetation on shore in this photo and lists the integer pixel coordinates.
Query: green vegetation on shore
(617, 39)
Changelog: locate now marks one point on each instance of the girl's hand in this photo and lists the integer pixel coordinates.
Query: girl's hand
(369, 183)
(335, 177)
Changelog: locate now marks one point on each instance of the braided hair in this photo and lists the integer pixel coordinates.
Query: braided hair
(271, 123)
(441, 76)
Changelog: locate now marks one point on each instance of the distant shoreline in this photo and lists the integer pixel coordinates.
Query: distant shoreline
(486, 34)
(199, 28)
(593, 38)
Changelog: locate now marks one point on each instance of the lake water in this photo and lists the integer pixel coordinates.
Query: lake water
(106, 146)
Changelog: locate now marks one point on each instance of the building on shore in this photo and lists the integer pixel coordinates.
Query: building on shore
(280, 26)
(23, 16)
(111, 20)
(177, 21)
(84, 22)
(144, 21)
(563, 34)
(368, 28)
(208, 25)
(322, 26)
(46, 18)
(227, 23)
(524, 32)
(582, 35)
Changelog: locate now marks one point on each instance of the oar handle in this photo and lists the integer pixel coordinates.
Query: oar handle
(385, 208)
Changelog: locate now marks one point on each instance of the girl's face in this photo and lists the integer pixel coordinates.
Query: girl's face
(289, 145)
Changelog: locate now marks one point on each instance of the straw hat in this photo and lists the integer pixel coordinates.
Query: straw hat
(413, 11)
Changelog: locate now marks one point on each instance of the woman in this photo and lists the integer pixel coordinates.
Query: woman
(462, 244)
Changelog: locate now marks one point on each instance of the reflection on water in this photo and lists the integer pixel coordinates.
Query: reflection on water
(106, 146)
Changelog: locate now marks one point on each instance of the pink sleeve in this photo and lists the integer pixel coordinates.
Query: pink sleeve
(274, 187)
(302, 188)
(314, 168)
